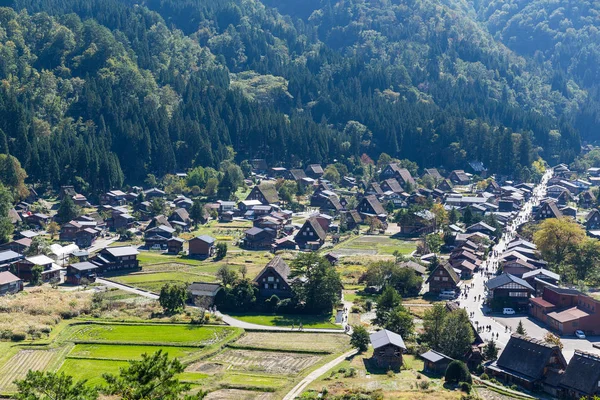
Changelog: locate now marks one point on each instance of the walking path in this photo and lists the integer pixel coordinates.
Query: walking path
(127, 288)
(310, 378)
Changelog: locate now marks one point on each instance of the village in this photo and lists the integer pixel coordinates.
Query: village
(426, 240)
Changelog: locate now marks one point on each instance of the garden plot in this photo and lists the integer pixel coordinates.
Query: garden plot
(329, 343)
(127, 352)
(373, 245)
(20, 363)
(267, 361)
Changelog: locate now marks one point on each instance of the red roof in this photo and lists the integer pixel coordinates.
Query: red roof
(541, 302)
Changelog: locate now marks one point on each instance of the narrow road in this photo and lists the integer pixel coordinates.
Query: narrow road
(310, 378)
(476, 294)
(126, 288)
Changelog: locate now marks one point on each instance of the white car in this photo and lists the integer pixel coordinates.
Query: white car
(508, 311)
(580, 334)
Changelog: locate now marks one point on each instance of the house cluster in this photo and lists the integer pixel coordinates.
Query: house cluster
(538, 365)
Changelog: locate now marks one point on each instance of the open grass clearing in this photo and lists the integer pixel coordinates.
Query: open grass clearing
(375, 244)
(287, 320)
(155, 281)
(91, 370)
(332, 343)
(176, 334)
(271, 362)
(127, 352)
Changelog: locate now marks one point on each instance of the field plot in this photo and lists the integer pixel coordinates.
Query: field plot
(91, 370)
(185, 335)
(287, 320)
(253, 381)
(155, 281)
(331, 343)
(237, 394)
(127, 352)
(374, 245)
(23, 361)
(267, 361)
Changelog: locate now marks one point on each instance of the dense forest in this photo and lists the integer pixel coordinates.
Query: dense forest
(101, 92)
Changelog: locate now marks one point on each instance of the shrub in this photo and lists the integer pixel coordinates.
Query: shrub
(424, 385)
(355, 310)
(350, 373)
(514, 387)
(391, 373)
(360, 338)
(494, 381)
(18, 336)
(484, 376)
(368, 305)
(457, 371)
(342, 370)
(465, 387)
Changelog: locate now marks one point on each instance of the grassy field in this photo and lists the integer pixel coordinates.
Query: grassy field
(91, 370)
(402, 385)
(155, 281)
(332, 343)
(234, 380)
(375, 245)
(23, 361)
(177, 334)
(127, 352)
(308, 321)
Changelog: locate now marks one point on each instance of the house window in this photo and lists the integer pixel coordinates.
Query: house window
(437, 278)
(310, 233)
(275, 286)
(270, 279)
(445, 279)
(304, 233)
(517, 294)
(266, 285)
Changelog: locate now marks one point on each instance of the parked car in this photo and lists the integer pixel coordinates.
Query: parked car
(580, 334)
(508, 311)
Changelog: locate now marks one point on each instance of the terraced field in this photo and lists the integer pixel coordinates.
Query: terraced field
(330, 343)
(127, 352)
(184, 335)
(155, 281)
(271, 362)
(23, 361)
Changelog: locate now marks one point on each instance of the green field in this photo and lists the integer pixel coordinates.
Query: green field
(176, 334)
(253, 380)
(155, 281)
(91, 370)
(127, 352)
(376, 244)
(308, 321)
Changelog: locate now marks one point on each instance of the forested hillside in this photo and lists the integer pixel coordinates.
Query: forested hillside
(107, 91)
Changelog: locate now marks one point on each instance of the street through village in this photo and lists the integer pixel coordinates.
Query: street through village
(476, 294)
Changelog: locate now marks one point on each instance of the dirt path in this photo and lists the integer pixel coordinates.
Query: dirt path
(310, 378)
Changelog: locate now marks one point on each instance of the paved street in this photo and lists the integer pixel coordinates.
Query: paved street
(476, 294)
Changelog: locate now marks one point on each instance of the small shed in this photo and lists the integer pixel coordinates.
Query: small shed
(388, 348)
(436, 362)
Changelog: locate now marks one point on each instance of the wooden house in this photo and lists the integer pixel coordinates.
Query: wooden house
(266, 193)
(314, 171)
(9, 283)
(587, 199)
(50, 272)
(434, 173)
(388, 349)
(435, 362)
(81, 270)
(158, 236)
(592, 220)
(530, 363)
(443, 277)
(581, 379)
(402, 175)
(547, 209)
(508, 290)
(459, 177)
(274, 279)
(120, 258)
(445, 185)
(369, 206)
(202, 246)
(257, 238)
(391, 185)
(311, 236)
(175, 245)
(203, 293)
